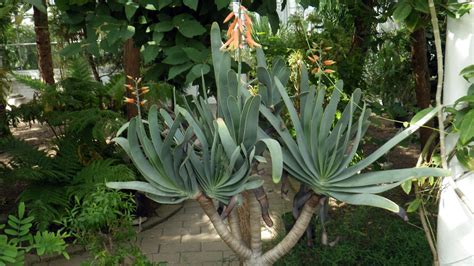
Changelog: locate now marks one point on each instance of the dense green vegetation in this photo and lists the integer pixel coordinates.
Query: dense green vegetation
(305, 82)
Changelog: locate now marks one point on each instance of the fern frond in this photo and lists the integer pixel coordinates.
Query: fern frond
(78, 68)
(25, 161)
(98, 173)
(33, 83)
(45, 202)
(93, 124)
(67, 160)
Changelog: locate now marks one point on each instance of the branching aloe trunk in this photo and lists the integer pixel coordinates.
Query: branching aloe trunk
(253, 255)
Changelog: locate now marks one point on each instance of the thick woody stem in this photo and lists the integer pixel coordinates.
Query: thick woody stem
(255, 226)
(237, 246)
(295, 233)
(234, 224)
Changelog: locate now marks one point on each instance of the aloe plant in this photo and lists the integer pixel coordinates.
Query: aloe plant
(324, 148)
(195, 153)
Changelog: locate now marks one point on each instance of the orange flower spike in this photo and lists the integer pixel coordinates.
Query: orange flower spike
(228, 42)
(129, 87)
(313, 58)
(236, 39)
(329, 62)
(329, 71)
(240, 25)
(316, 70)
(250, 41)
(248, 20)
(231, 15)
(128, 100)
(231, 28)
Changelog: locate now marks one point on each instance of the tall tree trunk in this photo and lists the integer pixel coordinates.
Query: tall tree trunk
(422, 77)
(43, 45)
(131, 62)
(363, 13)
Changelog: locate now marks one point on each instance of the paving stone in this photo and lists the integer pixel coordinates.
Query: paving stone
(191, 203)
(170, 224)
(208, 229)
(176, 248)
(170, 239)
(153, 232)
(169, 258)
(150, 245)
(202, 237)
(181, 231)
(196, 223)
(182, 217)
(197, 257)
(215, 246)
(193, 210)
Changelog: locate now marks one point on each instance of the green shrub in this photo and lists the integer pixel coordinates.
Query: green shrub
(18, 239)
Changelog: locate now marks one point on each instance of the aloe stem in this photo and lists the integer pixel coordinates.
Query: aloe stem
(234, 224)
(255, 225)
(237, 246)
(295, 233)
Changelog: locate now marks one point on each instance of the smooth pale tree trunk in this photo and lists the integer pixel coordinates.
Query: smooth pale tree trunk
(455, 221)
(422, 77)
(131, 63)
(43, 45)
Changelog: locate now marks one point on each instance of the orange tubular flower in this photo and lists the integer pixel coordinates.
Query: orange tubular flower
(238, 28)
(231, 15)
(329, 62)
(329, 71)
(313, 58)
(128, 100)
(142, 103)
(315, 70)
(129, 87)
